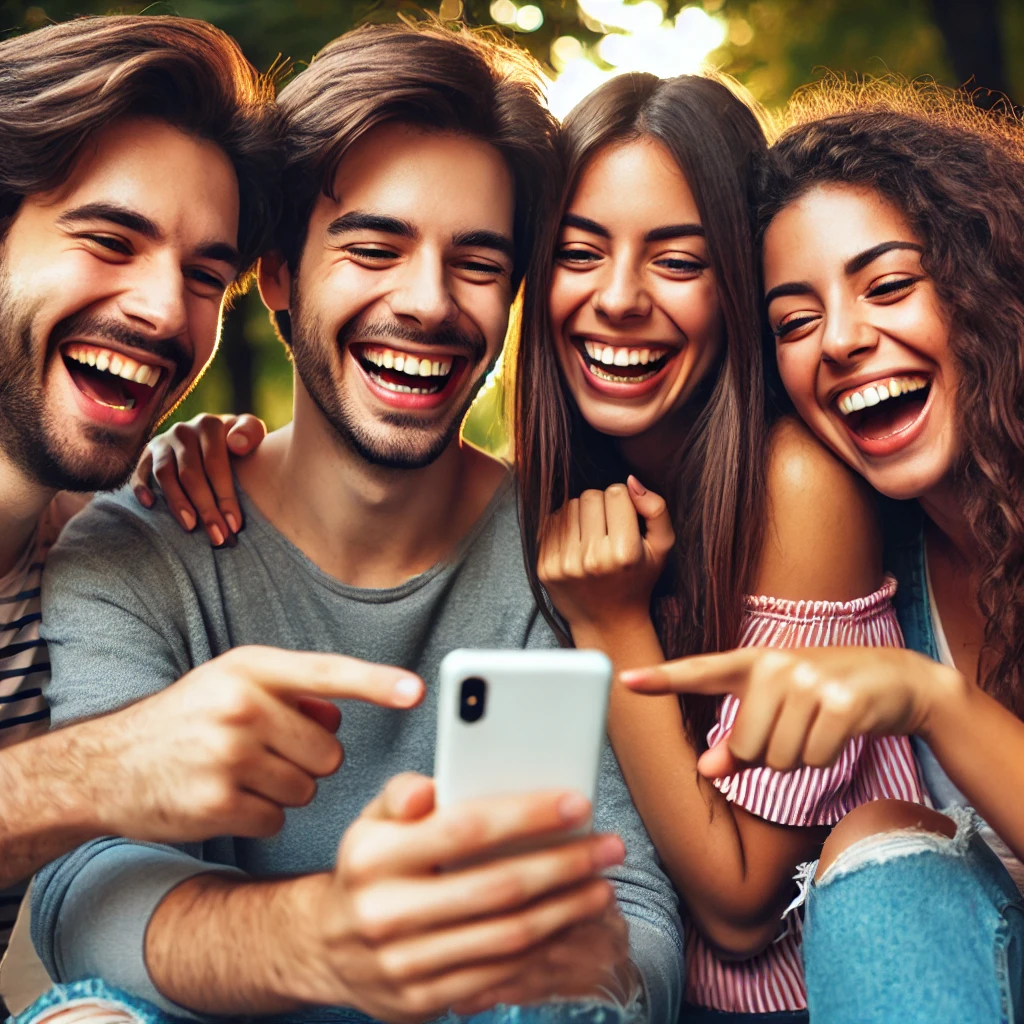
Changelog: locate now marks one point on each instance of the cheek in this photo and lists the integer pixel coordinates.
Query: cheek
(797, 368)
(694, 308)
(567, 293)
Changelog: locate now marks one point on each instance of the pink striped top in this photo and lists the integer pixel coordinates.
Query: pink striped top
(869, 769)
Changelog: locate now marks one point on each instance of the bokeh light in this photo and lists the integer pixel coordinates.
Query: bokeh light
(504, 12)
(637, 37)
(529, 18)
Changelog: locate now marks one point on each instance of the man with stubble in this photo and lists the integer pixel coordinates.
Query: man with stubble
(418, 164)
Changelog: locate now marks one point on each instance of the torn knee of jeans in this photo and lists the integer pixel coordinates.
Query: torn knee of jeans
(86, 1011)
(904, 842)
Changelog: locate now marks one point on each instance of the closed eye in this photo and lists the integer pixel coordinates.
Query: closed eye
(579, 257)
(789, 326)
(895, 287)
(110, 243)
(371, 252)
(680, 266)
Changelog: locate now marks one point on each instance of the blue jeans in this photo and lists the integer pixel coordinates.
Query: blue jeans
(141, 1012)
(915, 928)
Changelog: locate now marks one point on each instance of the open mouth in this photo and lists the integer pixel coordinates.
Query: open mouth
(617, 364)
(395, 372)
(109, 378)
(886, 407)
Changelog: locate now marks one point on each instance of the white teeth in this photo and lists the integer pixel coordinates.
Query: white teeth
(894, 389)
(883, 393)
(621, 357)
(435, 369)
(870, 396)
(102, 361)
(425, 366)
(116, 362)
(857, 401)
(608, 356)
(645, 356)
(634, 356)
(389, 360)
(91, 358)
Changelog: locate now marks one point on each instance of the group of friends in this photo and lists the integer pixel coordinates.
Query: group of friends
(767, 423)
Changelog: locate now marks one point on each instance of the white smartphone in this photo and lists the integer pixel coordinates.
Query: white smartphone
(520, 721)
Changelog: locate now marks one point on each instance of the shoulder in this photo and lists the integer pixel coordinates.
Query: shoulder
(822, 539)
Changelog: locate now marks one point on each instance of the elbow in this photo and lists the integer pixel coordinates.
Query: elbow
(732, 941)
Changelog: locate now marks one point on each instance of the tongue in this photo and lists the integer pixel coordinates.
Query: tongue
(891, 417)
(104, 388)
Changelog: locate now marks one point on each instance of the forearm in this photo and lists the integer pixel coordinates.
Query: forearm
(980, 745)
(695, 829)
(241, 935)
(46, 804)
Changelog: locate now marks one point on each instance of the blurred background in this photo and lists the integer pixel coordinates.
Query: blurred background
(771, 46)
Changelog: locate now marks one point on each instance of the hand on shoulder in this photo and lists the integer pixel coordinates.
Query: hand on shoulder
(822, 540)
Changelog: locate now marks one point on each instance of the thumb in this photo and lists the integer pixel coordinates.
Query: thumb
(245, 434)
(719, 761)
(652, 507)
(405, 797)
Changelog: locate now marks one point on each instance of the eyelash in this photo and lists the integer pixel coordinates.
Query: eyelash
(791, 325)
(111, 244)
(891, 287)
(372, 254)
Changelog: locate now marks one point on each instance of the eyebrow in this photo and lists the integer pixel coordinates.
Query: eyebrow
(359, 220)
(125, 217)
(860, 261)
(852, 266)
(486, 240)
(574, 220)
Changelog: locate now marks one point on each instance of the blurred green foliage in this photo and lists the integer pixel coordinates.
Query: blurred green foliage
(772, 46)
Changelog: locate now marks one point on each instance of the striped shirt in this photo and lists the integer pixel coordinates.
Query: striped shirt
(24, 665)
(868, 769)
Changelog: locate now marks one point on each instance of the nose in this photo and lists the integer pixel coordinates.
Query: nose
(847, 337)
(423, 295)
(155, 302)
(621, 294)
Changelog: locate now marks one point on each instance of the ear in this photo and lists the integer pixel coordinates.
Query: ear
(274, 280)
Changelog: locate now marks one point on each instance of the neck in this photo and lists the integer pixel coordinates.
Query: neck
(24, 501)
(652, 454)
(943, 506)
(362, 524)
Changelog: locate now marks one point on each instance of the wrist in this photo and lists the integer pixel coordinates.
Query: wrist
(625, 627)
(947, 699)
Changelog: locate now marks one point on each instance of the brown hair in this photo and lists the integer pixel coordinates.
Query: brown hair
(426, 75)
(957, 175)
(717, 497)
(62, 83)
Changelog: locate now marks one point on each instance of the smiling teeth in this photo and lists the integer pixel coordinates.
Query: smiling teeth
(881, 391)
(114, 363)
(408, 364)
(618, 356)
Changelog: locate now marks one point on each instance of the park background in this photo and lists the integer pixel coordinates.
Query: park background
(771, 46)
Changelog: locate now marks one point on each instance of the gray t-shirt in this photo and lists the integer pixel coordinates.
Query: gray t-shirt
(131, 603)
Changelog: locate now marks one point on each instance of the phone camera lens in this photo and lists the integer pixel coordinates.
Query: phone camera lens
(472, 699)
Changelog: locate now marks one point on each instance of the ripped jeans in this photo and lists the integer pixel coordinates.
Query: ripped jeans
(914, 928)
(95, 1002)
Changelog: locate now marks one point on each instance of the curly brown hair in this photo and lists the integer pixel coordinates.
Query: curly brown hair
(956, 173)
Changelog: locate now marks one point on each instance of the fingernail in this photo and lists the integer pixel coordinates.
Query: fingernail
(229, 518)
(573, 807)
(407, 690)
(216, 535)
(631, 676)
(609, 851)
(636, 485)
(188, 519)
(237, 443)
(145, 495)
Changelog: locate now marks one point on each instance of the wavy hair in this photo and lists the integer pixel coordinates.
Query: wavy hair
(717, 497)
(956, 173)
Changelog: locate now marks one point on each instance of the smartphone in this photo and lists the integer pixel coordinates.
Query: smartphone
(520, 721)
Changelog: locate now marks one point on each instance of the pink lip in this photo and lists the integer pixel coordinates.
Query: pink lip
(621, 391)
(406, 400)
(882, 447)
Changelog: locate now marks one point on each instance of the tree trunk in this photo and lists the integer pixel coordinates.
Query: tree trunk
(972, 34)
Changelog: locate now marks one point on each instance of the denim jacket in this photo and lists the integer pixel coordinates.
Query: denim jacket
(903, 526)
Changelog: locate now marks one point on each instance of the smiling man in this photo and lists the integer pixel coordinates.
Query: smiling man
(125, 215)
(419, 162)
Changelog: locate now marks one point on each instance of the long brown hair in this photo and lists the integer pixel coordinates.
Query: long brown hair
(957, 175)
(717, 497)
(424, 74)
(62, 83)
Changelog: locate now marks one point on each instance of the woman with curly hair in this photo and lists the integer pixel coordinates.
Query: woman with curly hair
(893, 247)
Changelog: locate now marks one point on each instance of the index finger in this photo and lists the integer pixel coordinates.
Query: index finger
(293, 674)
(711, 674)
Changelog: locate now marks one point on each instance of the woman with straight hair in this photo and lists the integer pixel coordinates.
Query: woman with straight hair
(893, 240)
(641, 360)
